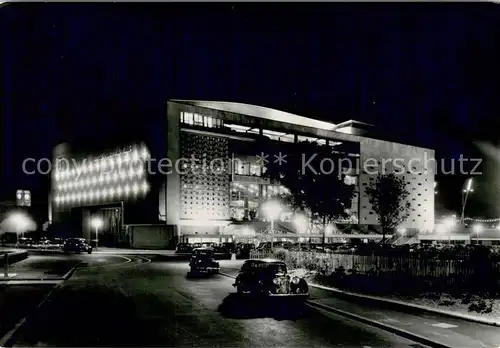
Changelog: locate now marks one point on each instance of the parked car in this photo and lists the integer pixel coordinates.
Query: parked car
(243, 249)
(76, 245)
(269, 278)
(183, 248)
(225, 248)
(203, 261)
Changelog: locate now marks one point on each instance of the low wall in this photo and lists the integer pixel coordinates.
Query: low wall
(14, 256)
(150, 236)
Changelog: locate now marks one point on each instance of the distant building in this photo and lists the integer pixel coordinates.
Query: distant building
(221, 206)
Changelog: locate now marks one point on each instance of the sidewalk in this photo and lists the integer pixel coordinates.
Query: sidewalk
(456, 333)
(442, 329)
(38, 269)
(105, 250)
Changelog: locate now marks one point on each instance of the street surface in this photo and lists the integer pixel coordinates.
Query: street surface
(149, 301)
(439, 328)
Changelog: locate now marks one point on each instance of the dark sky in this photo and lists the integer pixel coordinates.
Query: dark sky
(426, 73)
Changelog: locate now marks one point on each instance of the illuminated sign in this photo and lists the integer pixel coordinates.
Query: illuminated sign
(23, 198)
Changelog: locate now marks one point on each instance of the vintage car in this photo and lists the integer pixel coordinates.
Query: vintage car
(203, 261)
(76, 245)
(269, 277)
(182, 248)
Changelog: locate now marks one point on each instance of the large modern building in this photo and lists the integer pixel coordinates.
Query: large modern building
(207, 185)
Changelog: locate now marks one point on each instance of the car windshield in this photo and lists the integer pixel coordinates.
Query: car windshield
(202, 253)
(271, 267)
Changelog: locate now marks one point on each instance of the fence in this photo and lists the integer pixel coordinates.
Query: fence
(410, 266)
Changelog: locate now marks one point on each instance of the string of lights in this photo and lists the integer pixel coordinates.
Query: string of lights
(483, 220)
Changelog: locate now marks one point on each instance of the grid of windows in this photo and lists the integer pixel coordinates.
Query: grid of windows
(204, 193)
(199, 120)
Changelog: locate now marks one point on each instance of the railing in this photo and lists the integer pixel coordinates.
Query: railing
(411, 266)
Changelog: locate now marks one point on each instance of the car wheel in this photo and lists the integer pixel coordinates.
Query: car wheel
(89, 251)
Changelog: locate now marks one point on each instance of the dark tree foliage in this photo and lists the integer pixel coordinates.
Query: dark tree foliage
(387, 194)
(315, 176)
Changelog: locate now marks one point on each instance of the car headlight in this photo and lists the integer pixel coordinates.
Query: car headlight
(295, 280)
(276, 281)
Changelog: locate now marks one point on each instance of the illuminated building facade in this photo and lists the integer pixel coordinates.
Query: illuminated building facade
(222, 202)
(114, 185)
(214, 206)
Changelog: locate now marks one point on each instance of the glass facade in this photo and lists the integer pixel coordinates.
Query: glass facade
(244, 167)
(247, 198)
(199, 120)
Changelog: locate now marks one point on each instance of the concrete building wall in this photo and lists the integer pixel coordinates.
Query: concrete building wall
(149, 236)
(420, 181)
(57, 211)
(172, 209)
(414, 164)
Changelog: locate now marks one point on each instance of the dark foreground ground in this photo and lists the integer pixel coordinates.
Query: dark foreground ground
(149, 301)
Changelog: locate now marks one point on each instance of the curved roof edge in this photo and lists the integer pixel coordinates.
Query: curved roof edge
(259, 112)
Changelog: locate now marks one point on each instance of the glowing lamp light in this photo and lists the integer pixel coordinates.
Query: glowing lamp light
(144, 187)
(135, 155)
(477, 228)
(301, 222)
(272, 210)
(96, 222)
(135, 189)
(19, 222)
(329, 229)
(449, 222)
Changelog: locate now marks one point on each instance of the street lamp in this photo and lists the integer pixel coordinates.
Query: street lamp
(96, 223)
(465, 195)
(301, 223)
(20, 223)
(477, 229)
(272, 209)
(449, 223)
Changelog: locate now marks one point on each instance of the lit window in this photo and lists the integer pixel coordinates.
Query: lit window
(187, 117)
(255, 169)
(198, 120)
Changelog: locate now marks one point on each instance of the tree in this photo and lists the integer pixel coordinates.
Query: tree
(387, 194)
(315, 177)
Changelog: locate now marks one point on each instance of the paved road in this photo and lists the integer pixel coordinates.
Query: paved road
(451, 332)
(52, 265)
(33, 279)
(146, 304)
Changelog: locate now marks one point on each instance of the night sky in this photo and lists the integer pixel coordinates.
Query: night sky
(427, 74)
